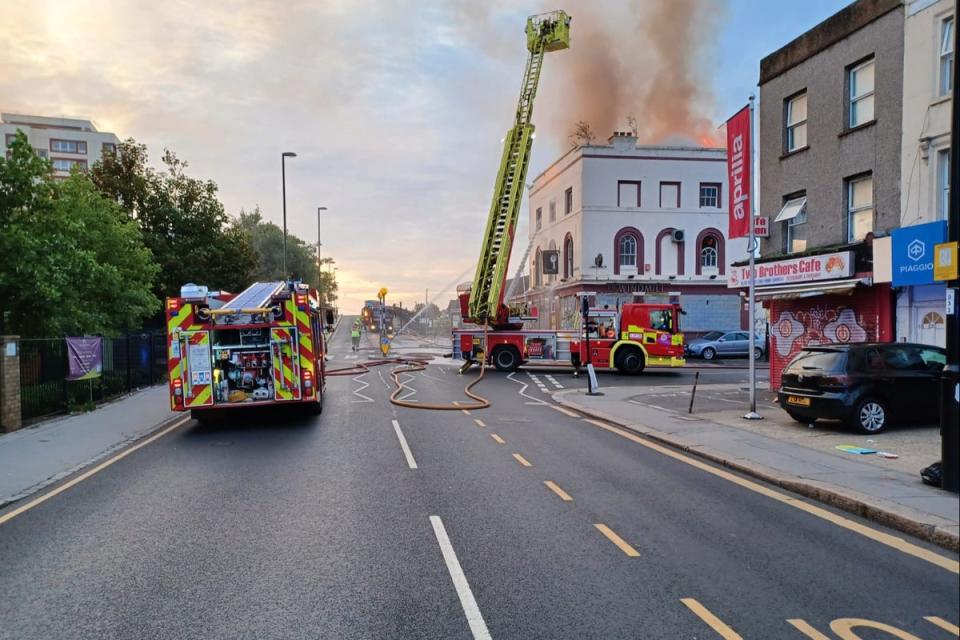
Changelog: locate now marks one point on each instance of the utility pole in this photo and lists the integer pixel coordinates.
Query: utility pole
(320, 287)
(752, 301)
(950, 380)
(283, 179)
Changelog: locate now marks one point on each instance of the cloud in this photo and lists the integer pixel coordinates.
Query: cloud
(395, 109)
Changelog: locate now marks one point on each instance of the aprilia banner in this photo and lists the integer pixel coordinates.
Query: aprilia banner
(738, 172)
(85, 358)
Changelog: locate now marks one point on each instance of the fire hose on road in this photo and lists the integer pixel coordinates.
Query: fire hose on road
(412, 365)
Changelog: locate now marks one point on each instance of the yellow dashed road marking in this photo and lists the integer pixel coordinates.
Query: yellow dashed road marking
(557, 490)
(522, 460)
(498, 439)
(617, 540)
(480, 423)
(892, 541)
(712, 621)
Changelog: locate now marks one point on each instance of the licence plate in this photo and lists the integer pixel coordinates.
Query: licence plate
(803, 402)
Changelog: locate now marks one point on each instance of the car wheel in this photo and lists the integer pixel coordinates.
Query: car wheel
(709, 353)
(871, 416)
(630, 361)
(506, 359)
(758, 353)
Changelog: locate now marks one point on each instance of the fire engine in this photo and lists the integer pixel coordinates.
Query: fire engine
(634, 336)
(263, 346)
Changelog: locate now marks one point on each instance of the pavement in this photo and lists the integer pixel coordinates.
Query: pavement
(791, 455)
(34, 457)
(524, 520)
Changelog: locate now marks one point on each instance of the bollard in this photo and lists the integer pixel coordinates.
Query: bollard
(693, 394)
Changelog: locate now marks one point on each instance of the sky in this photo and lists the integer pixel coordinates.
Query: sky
(395, 108)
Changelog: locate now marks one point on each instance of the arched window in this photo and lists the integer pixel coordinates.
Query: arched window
(708, 257)
(628, 250)
(553, 276)
(670, 254)
(710, 252)
(568, 256)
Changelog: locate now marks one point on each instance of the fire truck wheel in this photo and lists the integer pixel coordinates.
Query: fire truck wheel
(316, 408)
(206, 416)
(505, 358)
(630, 361)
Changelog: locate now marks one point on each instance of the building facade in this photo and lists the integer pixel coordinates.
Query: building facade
(924, 169)
(829, 160)
(66, 142)
(633, 223)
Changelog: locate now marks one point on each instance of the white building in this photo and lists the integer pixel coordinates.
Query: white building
(928, 60)
(66, 142)
(634, 223)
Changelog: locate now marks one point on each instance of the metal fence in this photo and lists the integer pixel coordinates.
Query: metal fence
(129, 362)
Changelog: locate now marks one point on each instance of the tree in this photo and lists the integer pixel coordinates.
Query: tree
(183, 222)
(582, 134)
(266, 238)
(71, 261)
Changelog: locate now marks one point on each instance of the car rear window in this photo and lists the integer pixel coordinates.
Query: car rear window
(818, 360)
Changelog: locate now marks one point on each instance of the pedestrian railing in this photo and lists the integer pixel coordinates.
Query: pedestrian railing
(130, 362)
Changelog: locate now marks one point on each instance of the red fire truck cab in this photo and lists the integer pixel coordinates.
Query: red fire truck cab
(628, 340)
(263, 346)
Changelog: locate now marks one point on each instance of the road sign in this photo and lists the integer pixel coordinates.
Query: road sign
(945, 261)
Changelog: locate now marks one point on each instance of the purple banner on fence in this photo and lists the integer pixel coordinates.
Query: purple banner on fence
(85, 358)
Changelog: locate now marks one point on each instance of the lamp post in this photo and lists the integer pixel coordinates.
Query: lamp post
(319, 264)
(283, 176)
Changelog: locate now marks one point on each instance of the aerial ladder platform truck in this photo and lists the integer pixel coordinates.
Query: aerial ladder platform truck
(499, 337)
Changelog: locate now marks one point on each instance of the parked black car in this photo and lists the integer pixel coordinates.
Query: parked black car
(866, 385)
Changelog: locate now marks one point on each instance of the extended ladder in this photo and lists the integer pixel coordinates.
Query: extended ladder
(545, 32)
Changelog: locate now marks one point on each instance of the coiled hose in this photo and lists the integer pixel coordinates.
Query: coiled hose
(412, 365)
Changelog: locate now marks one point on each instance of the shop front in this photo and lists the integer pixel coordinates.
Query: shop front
(921, 301)
(826, 298)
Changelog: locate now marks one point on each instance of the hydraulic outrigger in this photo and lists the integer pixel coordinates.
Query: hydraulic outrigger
(545, 32)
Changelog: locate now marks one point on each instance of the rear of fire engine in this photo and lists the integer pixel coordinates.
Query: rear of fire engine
(263, 346)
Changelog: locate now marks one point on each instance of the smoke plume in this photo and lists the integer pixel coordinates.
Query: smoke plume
(649, 63)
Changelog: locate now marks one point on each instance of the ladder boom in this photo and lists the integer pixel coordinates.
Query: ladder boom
(545, 32)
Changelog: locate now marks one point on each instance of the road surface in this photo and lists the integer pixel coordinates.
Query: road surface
(519, 521)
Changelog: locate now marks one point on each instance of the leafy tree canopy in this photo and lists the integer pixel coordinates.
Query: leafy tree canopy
(71, 261)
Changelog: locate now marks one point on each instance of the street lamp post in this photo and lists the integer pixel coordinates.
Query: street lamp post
(283, 177)
(319, 264)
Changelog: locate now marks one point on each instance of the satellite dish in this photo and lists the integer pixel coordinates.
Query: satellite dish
(598, 261)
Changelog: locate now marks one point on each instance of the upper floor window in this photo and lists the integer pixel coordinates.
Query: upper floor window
(628, 193)
(538, 218)
(859, 207)
(946, 56)
(553, 211)
(67, 164)
(709, 194)
(108, 147)
(943, 183)
(568, 201)
(796, 122)
(793, 215)
(68, 146)
(669, 195)
(860, 80)
(10, 137)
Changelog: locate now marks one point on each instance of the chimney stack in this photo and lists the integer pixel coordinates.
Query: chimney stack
(623, 140)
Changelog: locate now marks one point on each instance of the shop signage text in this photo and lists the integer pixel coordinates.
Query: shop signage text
(828, 266)
(761, 226)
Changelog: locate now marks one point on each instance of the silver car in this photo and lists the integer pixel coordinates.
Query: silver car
(724, 344)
